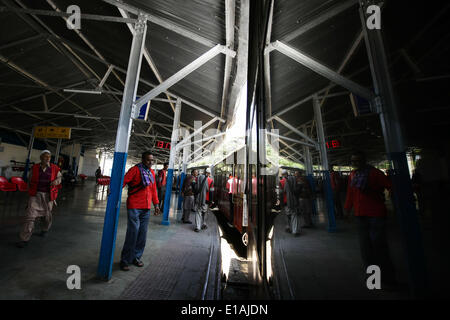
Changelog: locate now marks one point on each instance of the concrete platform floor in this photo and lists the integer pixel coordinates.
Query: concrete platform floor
(39, 270)
(323, 265)
(318, 264)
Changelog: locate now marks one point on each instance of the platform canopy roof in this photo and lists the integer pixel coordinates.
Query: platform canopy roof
(330, 33)
(41, 61)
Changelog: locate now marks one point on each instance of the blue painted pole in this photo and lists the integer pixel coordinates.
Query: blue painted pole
(313, 190)
(106, 258)
(112, 216)
(180, 197)
(328, 192)
(309, 174)
(175, 134)
(402, 193)
(167, 197)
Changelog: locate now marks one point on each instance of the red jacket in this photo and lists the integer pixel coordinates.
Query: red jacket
(138, 196)
(32, 190)
(282, 183)
(210, 187)
(336, 182)
(371, 202)
(162, 178)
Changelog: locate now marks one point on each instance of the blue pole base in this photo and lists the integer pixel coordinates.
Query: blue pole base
(313, 190)
(108, 244)
(330, 203)
(180, 197)
(165, 221)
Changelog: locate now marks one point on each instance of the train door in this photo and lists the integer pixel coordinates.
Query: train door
(256, 142)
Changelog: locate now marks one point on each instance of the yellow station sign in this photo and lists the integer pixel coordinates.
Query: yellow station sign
(52, 132)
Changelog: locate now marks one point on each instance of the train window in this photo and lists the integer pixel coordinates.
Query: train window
(240, 178)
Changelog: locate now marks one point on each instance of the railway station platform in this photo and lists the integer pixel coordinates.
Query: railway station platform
(179, 264)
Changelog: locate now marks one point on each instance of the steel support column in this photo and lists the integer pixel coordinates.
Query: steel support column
(186, 155)
(58, 150)
(310, 173)
(173, 152)
(120, 153)
(402, 193)
(323, 155)
(27, 162)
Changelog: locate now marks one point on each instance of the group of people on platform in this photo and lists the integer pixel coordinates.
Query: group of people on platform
(296, 196)
(197, 192)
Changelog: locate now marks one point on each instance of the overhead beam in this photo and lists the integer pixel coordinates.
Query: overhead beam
(229, 34)
(85, 40)
(292, 140)
(295, 130)
(183, 73)
(147, 57)
(293, 106)
(330, 13)
(20, 42)
(67, 15)
(322, 70)
(35, 26)
(38, 81)
(141, 80)
(167, 24)
(197, 131)
(267, 81)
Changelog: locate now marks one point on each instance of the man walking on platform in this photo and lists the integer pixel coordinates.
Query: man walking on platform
(141, 194)
(200, 191)
(98, 174)
(43, 190)
(187, 192)
(161, 184)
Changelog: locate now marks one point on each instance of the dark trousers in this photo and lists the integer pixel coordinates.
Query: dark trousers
(338, 204)
(136, 236)
(161, 196)
(374, 246)
(230, 198)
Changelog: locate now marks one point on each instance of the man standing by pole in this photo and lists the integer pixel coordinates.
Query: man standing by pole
(292, 205)
(187, 192)
(43, 189)
(141, 193)
(201, 189)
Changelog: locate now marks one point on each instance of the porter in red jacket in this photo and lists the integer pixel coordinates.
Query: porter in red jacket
(45, 181)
